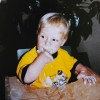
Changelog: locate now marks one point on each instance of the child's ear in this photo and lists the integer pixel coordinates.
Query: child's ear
(63, 42)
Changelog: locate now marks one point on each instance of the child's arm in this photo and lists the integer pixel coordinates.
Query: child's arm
(36, 67)
(85, 74)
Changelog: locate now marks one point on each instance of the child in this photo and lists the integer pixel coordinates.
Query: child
(47, 65)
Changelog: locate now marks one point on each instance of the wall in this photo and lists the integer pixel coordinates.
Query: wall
(92, 46)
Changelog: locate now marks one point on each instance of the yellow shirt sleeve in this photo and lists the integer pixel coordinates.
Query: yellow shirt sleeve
(27, 58)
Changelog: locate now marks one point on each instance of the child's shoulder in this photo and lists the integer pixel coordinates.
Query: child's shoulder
(32, 49)
(63, 51)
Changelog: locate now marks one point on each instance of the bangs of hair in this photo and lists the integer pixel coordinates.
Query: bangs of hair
(55, 19)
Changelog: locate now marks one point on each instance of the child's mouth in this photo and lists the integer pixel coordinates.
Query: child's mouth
(48, 49)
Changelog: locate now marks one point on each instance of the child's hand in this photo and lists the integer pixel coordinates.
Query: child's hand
(88, 78)
(46, 56)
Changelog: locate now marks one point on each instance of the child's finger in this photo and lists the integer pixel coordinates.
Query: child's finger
(48, 55)
(85, 81)
(38, 51)
(90, 79)
(93, 80)
(80, 76)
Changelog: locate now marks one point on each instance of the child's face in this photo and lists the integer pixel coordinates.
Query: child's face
(50, 39)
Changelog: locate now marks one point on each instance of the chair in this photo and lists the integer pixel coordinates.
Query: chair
(20, 52)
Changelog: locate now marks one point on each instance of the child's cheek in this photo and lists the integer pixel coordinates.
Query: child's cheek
(54, 49)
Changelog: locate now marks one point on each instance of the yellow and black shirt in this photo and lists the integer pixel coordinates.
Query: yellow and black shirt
(56, 73)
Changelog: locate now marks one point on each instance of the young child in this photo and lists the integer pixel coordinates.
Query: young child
(47, 65)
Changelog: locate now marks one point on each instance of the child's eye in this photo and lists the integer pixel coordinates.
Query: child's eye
(42, 36)
(54, 40)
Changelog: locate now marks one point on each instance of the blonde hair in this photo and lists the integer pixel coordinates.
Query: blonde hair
(56, 19)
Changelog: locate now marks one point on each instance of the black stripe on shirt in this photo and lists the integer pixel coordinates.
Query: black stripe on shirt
(74, 67)
(23, 75)
(73, 74)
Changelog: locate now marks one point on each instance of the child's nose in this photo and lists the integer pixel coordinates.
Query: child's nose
(48, 42)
